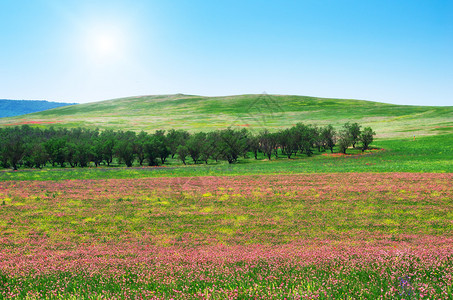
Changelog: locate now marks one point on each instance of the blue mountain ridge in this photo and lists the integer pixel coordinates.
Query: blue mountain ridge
(11, 108)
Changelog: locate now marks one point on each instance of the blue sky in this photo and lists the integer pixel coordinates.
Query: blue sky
(82, 51)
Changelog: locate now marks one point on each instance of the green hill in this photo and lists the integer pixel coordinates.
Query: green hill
(196, 113)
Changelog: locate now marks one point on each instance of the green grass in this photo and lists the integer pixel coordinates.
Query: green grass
(424, 154)
(362, 283)
(196, 113)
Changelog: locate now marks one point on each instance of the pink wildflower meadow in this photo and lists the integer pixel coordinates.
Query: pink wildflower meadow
(262, 237)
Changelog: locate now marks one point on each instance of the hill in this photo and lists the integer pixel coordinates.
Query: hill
(11, 108)
(196, 113)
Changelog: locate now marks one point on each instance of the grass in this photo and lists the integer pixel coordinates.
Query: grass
(327, 236)
(258, 209)
(196, 113)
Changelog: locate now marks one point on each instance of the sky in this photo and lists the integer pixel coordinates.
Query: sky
(82, 51)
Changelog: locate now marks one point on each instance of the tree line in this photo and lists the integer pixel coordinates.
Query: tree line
(32, 147)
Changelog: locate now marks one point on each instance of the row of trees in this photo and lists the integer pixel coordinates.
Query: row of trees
(34, 147)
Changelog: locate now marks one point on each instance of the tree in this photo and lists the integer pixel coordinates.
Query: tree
(268, 142)
(55, 150)
(124, 148)
(36, 156)
(108, 140)
(305, 136)
(125, 152)
(344, 139)
(232, 144)
(3, 154)
(175, 138)
(195, 144)
(317, 140)
(160, 140)
(366, 137)
(253, 145)
(328, 137)
(32, 147)
(14, 146)
(139, 146)
(244, 135)
(212, 146)
(151, 150)
(288, 141)
(182, 152)
(98, 151)
(69, 152)
(83, 154)
(354, 131)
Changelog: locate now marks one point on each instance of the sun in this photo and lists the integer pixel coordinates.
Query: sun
(104, 44)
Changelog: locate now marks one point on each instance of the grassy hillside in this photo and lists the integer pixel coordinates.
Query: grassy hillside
(196, 113)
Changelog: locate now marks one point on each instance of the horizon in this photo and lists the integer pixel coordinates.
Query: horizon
(84, 52)
(220, 96)
(217, 96)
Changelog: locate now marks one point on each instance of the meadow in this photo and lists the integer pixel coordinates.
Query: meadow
(326, 236)
(372, 225)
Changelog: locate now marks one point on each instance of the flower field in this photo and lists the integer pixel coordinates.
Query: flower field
(311, 236)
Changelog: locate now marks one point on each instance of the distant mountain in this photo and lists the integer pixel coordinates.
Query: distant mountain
(11, 108)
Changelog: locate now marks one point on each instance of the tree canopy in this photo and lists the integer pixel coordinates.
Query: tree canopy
(33, 147)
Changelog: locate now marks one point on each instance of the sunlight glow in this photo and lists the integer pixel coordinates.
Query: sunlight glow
(105, 44)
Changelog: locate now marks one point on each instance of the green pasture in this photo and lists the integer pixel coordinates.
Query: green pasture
(255, 112)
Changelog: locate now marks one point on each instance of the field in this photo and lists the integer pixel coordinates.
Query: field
(346, 228)
(372, 225)
(359, 235)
